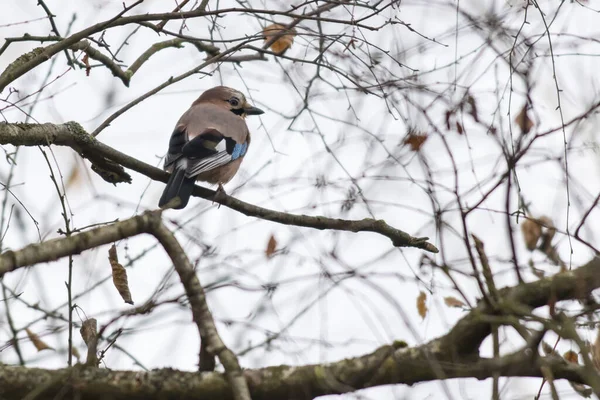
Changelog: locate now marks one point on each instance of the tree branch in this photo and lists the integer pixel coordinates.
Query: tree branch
(468, 333)
(52, 250)
(395, 365)
(201, 313)
(451, 356)
(126, 75)
(149, 222)
(73, 135)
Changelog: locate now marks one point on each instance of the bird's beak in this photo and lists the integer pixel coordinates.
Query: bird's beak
(251, 110)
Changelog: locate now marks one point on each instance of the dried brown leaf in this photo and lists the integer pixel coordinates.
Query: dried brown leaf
(415, 140)
(523, 121)
(459, 128)
(571, 357)
(89, 333)
(473, 108)
(532, 232)
(271, 246)
(86, 61)
(119, 275)
(284, 42)
(37, 342)
(421, 304)
(89, 330)
(454, 302)
(350, 43)
(447, 119)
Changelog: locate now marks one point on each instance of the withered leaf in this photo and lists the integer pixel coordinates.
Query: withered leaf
(523, 121)
(447, 119)
(415, 140)
(350, 43)
(86, 62)
(454, 302)
(89, 334)
(459, 128)
(271, 246)
(37, 342)
(119, 275)
(571, 357)
(89, 330)
(421, 304)
(284, 42)
(532, 232)
(473, 108)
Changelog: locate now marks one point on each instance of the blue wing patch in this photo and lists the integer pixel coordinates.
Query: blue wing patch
(217, 160)
(239, 150)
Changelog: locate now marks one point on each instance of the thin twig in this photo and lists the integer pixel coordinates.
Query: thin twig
(162, 23)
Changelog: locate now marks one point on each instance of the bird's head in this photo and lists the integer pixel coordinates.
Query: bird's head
(234, 100)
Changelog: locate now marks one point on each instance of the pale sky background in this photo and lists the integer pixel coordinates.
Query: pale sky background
(353, 315)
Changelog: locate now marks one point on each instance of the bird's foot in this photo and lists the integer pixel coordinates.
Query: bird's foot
(219, 194)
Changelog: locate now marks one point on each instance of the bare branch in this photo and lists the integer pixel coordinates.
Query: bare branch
(400, 365)
(148, 222)
(73, 135)
(30, 60)
(468, 333)
(126, 75)
(201, 313)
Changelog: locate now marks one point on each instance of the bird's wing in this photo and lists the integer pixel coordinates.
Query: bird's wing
(207, 137)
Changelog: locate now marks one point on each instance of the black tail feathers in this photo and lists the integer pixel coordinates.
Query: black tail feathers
(178, 186)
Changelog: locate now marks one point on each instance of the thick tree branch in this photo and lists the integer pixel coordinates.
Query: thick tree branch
(468, 334)
(73, 135)
(393, 365)
(55, 249)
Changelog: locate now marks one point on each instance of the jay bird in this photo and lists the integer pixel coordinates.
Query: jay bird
(208, 144)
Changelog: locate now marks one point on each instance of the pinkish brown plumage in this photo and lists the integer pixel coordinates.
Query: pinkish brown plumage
(208, 144)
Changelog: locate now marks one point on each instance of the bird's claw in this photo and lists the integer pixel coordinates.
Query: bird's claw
(219, 194)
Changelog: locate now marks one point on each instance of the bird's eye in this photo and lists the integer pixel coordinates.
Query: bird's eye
(234, 102)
